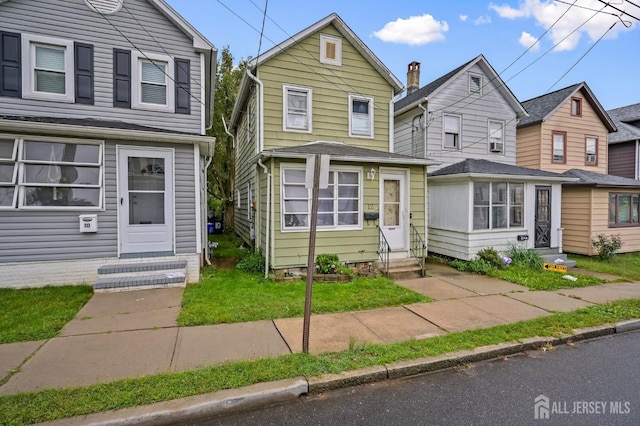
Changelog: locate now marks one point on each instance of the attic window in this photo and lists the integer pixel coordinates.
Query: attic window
(104, 7)
(330, 50)
(475, 83)
(576, 107)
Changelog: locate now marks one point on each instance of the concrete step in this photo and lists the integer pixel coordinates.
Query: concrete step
(559, 259)
(141, 276)
(401, 269)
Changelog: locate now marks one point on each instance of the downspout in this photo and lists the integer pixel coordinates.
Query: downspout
(267, 246)
(392, 125)
(424, 129)
(260, 117)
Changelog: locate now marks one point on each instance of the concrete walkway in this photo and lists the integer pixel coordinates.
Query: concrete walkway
(132, 334)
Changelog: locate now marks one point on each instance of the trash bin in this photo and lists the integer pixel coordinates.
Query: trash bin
(210, 228)
(218, 226)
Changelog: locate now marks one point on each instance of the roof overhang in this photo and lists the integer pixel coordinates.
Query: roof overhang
(348, 158)
(497, 176)
(200, 42)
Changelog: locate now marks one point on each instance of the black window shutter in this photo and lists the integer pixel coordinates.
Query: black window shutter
(183, 86)
(121, 78)
(83, 73)
(10, 65)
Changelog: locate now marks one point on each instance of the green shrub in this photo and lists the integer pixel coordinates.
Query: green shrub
(525, 257)
(480, 266)
(491, 256)
(607, 245)
(460, 265)
(251, 262)
(327, 263)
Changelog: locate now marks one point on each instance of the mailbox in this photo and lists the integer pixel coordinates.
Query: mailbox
(88, 223)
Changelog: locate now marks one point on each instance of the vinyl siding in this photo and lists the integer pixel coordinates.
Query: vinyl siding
(622, 159)
(74, 21)
(54, 235)
(529, 147)
(331, 85)
(577, 129)
(577, 220)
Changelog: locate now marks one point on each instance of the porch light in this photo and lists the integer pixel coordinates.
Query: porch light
(371, 174)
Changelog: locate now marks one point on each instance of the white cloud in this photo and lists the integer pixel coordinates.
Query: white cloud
(547, 12)
(527, 40)
(483, 20)
(416, 30)
(463, 18)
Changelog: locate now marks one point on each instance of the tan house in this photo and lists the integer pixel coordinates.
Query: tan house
(567, 131)
(322, 91)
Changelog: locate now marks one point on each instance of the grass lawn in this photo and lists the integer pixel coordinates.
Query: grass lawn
(39, 313)
(539, 279)
(231, 295)
(49, 405)
(625, 265)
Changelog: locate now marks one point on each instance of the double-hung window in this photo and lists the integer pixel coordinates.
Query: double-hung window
(591, 148)
(360, 116)
(297, 109)
(451, 131)
(152, 85)
(339, 205)
(496, 137)
(559, 140)
(8, 173)
(624, 209)
(498, 205)
(48, 71)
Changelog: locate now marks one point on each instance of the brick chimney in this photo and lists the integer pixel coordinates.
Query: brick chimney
(413, 77)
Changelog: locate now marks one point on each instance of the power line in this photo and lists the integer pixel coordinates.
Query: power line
(264, 17)
(606, 3)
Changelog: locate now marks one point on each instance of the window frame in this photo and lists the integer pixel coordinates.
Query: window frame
(333, 170)
(21, 185)
(564, 147)
(479, 77)
(444, 132)
(576, 102)
(29, 43)
(586, 149)
(324, 39)
(616, 214)
(508, 206)
(137, 58)
(286, 88)
(13, 182)
(501, 124)
(371, 113)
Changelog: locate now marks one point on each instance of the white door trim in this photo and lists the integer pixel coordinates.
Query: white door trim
(399, 240)
(162, 238)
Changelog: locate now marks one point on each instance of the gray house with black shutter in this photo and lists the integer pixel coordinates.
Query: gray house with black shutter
(104, 107)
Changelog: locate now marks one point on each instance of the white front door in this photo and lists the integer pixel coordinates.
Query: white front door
(394, 219)
(145, 200)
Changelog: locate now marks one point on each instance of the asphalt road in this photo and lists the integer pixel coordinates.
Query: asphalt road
(592, 382)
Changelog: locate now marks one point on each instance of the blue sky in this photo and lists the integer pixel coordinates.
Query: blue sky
(442, 35)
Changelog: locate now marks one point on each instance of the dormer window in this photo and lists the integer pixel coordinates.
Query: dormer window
(576, 107)
(475, 83)
(330, 50)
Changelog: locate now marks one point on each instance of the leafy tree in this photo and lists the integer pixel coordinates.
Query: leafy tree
(221, 170)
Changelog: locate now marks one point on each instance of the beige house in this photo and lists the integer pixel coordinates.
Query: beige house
(322, 91)
(567, 131)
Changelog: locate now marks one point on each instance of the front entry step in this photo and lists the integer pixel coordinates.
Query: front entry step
(401, 269)
(559, 259)
(141, 276)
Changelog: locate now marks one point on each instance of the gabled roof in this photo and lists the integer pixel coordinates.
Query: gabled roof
(347, 33)
(543, 107)
(627, 120)
(432, 88)
(478, 168)
(344, 152)
(598, 179)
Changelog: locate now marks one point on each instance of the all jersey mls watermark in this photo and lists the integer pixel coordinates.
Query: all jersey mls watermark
(544, 408)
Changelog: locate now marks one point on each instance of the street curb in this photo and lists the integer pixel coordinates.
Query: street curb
(232, 400)
(196, 407)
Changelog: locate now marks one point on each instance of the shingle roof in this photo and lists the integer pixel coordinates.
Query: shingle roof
(598, 179)
(627, 120)
(485, 167)
(353, 153)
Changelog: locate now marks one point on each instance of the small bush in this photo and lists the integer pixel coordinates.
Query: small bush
(525, 257)
(491, 256)
(327, 263)
(607, 245)
(252, 263)
(476, 266)
(460, 265)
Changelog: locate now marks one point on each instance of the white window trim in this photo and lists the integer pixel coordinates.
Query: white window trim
(29, 41)
(324, 38)
(238, 198)
(455, 148)
(13, 183)
(472, 75)
(298, 166)
(372, 115)
(136, 81)
(285, 108)
(502, 129)
(20, 185)
(508, 206)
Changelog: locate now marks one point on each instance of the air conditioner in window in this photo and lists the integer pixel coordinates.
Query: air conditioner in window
(591, 158)
(496, 147)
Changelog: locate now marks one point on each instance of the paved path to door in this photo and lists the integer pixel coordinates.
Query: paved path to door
(132, 334)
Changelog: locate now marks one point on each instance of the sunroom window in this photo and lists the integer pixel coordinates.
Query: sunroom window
(498, 205)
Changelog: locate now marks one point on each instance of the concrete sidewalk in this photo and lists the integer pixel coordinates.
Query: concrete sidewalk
(132, 334)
